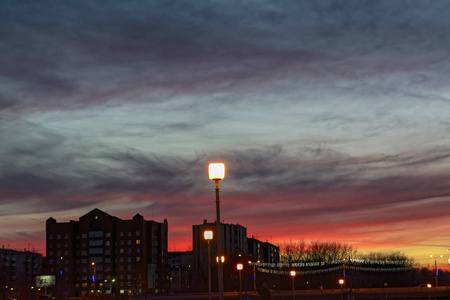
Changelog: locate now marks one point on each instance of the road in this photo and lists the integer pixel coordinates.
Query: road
(379, 294)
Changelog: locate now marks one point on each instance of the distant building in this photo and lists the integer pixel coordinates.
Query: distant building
(234, 241)
(18, 271)
(181, 270)
(263, 252)
(104, 255)
(234, 244)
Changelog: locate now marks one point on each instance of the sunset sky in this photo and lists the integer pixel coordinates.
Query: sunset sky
(332, 117)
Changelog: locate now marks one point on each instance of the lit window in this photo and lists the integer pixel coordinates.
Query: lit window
(138, 242)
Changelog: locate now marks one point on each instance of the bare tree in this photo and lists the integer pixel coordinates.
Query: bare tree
(328, 252)
(292, 252)
(393, 258)
(316, 251)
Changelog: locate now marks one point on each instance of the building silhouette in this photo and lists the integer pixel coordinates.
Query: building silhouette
(263, 252)
(234, 241)
(234, 248)
(237, 248)
(18, 271)
(181, 271)
(104, 255)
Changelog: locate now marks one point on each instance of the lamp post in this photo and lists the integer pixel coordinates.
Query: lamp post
(293, 273)
(94, 279)
(208, 235)
(341, 282)
(239, 267)
(111, 286)
(254, 274)
(435, 267)
(217, 173)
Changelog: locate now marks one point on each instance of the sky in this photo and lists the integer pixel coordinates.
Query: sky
(332, 118)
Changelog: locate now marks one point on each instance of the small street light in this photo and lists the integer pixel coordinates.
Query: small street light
(293, 274)
(254, 273)
(111, 285)
(341, 282)
(239, 267)
(208, 235)
(435, 267)
(94, 279)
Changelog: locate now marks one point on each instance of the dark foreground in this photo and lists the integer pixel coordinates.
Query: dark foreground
(380, 294)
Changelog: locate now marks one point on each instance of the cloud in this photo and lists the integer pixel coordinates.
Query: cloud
(71, 56)
(331, 116)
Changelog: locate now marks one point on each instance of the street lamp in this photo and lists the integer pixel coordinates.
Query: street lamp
(341, 282)
(217, 172)
(435, 266)
(239, 267)
(208, 235)
(93, 279)
(254, 273)
(293, 273)
(111, 286)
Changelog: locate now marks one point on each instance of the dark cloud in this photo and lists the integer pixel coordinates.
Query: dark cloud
(328, 114)
(49, 50)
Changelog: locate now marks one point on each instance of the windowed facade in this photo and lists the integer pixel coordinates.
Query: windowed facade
(18, 268)
(98, 248)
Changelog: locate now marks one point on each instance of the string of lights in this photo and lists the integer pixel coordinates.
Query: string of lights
(356, 268)
(316, 264)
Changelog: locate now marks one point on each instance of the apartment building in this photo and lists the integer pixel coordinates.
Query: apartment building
(18, 271)
(263, 252)
(104, 255)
